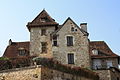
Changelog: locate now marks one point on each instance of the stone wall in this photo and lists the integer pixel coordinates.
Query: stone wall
(115, 74)
(49, 74)
(36, 39)
(79, 49)
(103, 74)
(39, 73)
(110, 74)
(29, 73)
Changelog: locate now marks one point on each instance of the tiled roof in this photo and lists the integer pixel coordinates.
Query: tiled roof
(12, 50)
(103, 48)
(37, 22)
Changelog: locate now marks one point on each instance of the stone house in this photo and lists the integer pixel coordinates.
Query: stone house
(104, 61)
(67, 43)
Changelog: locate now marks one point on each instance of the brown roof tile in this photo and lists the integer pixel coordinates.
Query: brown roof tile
(102, 47)
(37, 22)
(12, 50)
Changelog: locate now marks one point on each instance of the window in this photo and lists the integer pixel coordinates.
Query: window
(43, 32)
(70, 58)
(97, 64)
(95, 52)
(43, 19)
(44, 47)
(72, 29)
(69, 40)
(22, 52)
(109, 64)
(54, 40)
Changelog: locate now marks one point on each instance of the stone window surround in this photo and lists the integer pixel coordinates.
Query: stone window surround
(43, 47)
(55, 40)
(67, 57)
(43, 32)
(70, 57)
(66, 40)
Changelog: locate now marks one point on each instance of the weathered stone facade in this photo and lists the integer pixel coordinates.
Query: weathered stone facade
(79, 49)
(115, 74)
(36, 39)
(104, 74)
(109, 74)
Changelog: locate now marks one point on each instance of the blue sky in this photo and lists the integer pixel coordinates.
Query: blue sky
(102, 16)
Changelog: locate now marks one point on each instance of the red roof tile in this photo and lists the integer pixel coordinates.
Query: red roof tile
(12, 50)
(102, 47)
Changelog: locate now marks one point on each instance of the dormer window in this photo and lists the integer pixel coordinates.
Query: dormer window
(43, 19)
(22, 51)
(95, 52)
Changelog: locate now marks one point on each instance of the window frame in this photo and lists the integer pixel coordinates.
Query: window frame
(95, 52)
(43, 32)
(22, 52)
(44, 47)
(68, 41)
(71, 58)
(55, 42)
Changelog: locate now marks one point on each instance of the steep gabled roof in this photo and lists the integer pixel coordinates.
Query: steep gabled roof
(12, 50)
(103, 48)
(38, 21)
(60, 26)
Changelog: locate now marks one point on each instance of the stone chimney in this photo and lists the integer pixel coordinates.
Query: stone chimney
(10, 42)
(84, 26)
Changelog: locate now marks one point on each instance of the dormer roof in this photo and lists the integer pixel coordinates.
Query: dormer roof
(43, 19)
